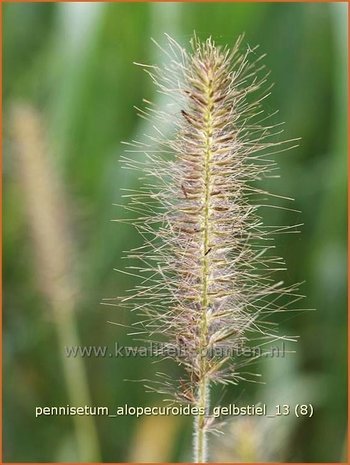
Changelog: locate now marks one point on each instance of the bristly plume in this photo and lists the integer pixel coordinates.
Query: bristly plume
(207, 267)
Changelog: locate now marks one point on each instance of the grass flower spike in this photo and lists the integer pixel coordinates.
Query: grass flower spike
(207, 265)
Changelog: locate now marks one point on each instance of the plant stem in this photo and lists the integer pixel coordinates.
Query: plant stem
(203, 399)
(200, 435)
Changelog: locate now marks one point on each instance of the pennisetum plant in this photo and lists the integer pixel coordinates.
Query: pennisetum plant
(206, 265)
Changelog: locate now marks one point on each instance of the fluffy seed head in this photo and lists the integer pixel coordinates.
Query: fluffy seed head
(206, 264)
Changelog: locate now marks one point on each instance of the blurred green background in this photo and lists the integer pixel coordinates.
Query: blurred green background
(72, 66)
